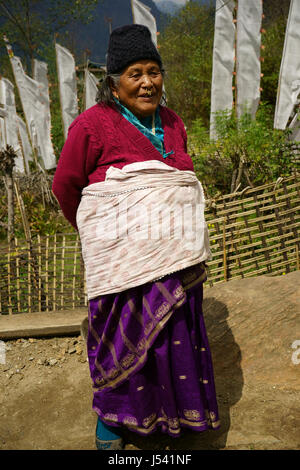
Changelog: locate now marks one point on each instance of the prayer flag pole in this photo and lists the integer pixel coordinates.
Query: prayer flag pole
(11, 55)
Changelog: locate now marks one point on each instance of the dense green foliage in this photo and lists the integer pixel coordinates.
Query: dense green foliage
(246, 152)
(186, 46)
(186, 49)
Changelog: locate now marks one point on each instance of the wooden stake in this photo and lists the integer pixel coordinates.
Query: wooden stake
(9, 281)
(62, 272)
(132, 10)
(40, 272)
(236, 64)
(18, 275)
(29, 277)
(74, 273)
(10, 207)
(59, 88)
(224, 251)
(54, 273)
(47, 273)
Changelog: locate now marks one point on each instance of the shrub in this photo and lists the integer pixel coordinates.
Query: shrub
(246, 152)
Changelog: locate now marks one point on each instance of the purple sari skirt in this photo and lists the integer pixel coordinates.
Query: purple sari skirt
(149, 356)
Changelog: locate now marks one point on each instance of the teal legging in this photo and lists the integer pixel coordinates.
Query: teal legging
(105, 432)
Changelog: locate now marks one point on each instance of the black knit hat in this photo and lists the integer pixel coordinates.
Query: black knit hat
(128, 44)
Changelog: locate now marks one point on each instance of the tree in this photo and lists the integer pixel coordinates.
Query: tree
(186, 46)
(31, 24)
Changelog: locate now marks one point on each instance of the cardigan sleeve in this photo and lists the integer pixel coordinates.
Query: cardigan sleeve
(77, 160)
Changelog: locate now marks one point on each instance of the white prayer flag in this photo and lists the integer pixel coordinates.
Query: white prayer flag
(25, 142)
(90, 87)
(40, 71)
(248, 46)
(36, 109)
(289, 77)
(67, 86)
(223, 61)
(142, 15)
(40, 74)
(10, 123)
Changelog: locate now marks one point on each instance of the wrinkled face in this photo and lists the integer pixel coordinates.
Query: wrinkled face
(140, 87)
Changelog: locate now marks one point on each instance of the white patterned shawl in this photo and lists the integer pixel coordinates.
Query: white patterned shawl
(143, 222)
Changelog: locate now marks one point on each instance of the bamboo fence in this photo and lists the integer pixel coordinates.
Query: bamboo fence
(46, 274)
(255, 231)
(252, 232)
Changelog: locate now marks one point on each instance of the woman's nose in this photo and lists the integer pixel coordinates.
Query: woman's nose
(147, 82)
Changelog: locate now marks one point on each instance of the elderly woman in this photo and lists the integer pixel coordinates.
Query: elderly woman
(126, 182)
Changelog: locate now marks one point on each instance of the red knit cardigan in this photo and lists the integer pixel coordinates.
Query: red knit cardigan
(100, 137)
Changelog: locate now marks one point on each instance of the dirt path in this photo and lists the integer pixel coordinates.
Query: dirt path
(47, 398)
(46, 393)
(47, 405)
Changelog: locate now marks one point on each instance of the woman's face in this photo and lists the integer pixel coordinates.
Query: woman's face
(140, 87)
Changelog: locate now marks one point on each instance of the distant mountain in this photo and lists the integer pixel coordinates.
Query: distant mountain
(95, 35)
(93, 38)
(109, 13)
(169, 6)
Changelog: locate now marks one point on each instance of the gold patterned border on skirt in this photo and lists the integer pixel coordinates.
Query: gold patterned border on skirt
(114, 381)
(113, 377)
(173, 424)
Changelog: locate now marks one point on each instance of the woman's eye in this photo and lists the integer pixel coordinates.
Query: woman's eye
(138, 75)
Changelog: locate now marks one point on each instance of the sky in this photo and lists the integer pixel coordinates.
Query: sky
(180, 3)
